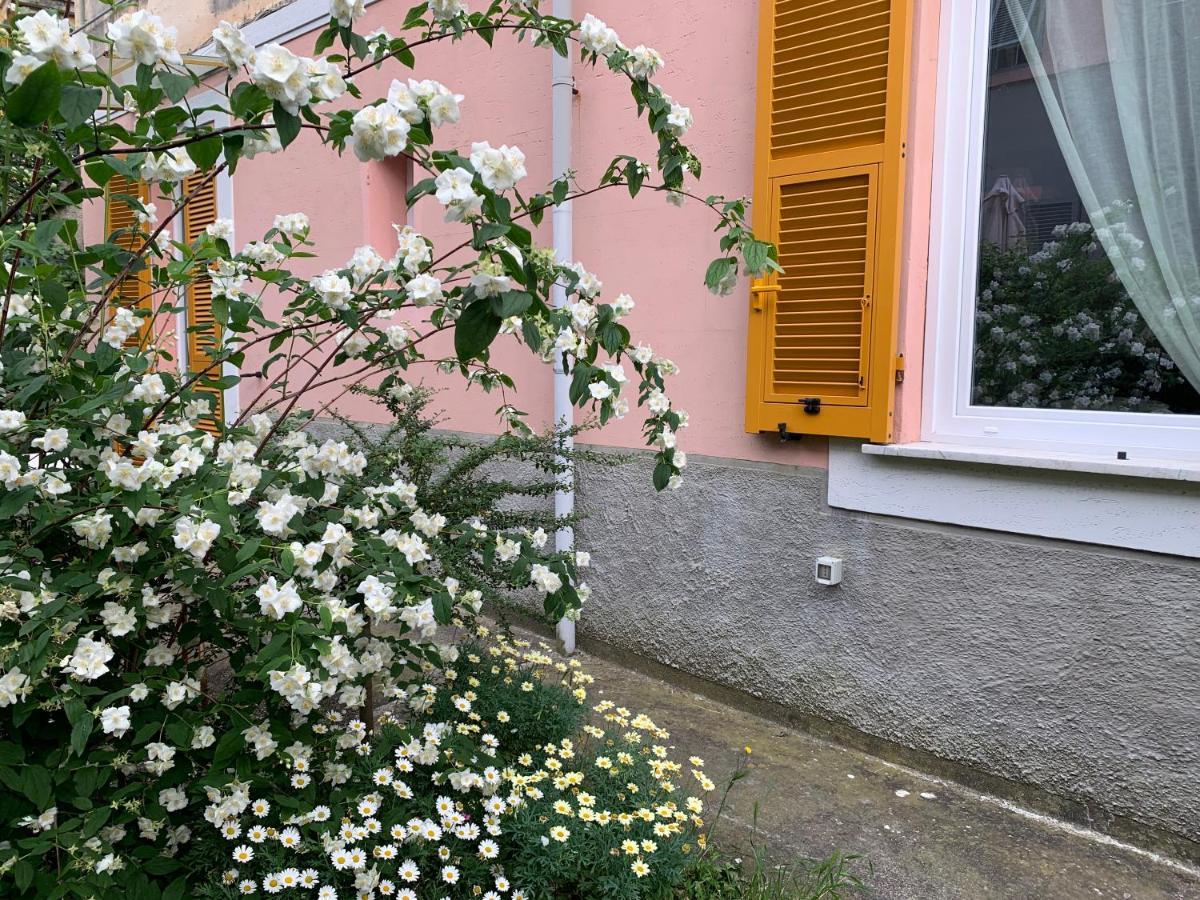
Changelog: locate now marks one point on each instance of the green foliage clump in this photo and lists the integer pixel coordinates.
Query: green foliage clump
(527, 712)
(717, 876)
(1057, 330)
(506, 484)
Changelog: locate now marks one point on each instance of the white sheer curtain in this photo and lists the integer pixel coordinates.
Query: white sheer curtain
(1120, 80)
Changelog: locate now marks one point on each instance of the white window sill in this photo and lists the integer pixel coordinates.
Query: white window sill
(1065, 496)
(1055, 461)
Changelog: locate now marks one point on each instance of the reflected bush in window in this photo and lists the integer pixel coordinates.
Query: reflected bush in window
(1056, 329)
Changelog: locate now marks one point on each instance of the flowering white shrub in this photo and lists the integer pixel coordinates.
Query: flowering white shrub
(183, 602)
(487, 785)
(1056, 329)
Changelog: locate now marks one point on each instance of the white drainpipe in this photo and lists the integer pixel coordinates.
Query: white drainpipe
(562, 91)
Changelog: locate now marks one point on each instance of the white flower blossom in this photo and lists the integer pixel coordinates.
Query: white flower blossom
(377, 132)
(345, 12)
(277, 600)
(142, 37)
(170, 166)
(220, 230)
(47, 37)
(455, 192)
(283, 76)
(195, 538)
(14, 684)
(412, 250)
(11, 420)
(231, 46)
(333, 288)
(679, 120)
(273, 517)
(424, 290)
(447, 10)
(499, 168)
(544, 579)
(644, 62)
(115, 720)
(89, 660)
(596, 37)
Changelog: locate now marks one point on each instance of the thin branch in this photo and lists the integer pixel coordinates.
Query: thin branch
(455, 34)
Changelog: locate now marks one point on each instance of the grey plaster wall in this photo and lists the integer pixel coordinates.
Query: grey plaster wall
(1070, 668)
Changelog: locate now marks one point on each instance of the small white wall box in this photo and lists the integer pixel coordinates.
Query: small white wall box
(828, 570)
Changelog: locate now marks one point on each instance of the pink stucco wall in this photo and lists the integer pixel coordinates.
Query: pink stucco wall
(643, 247)
(915, 279)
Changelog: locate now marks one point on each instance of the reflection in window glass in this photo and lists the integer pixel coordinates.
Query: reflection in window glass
(1055, 327)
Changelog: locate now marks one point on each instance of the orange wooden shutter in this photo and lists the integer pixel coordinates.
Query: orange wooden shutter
(121, 226)
(203, 333)
(829, 191)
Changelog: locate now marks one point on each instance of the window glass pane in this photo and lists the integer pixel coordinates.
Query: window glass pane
(1055, 327)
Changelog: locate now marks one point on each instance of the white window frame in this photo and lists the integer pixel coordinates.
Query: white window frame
(224, 184)
(284, 24)
(948, 416)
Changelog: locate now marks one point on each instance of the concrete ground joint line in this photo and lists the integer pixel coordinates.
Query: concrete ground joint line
(1079, 831)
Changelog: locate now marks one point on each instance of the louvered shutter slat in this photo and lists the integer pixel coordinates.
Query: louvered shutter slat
(203, 333)
(123, 229)
(828, 192)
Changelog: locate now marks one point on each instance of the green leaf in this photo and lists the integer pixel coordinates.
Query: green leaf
(413, 18)
(23, 874)
(35, 782)
(45, 233)
(635, 175)
(325, 40)
(613, 337)
(86, 780)
(61, 161)
(533, 337)
(99, 171)
(475, 330)
(175, 86)
(287, 124)
(511, 303)
(248, 549)
(228, 747)
(580, 380)
(81, 730)
(144, 77)
(161, 865)
(78, 104)
(248, 99)
(95, 821)
(759, 256)
(37, 97)
(206, 152)
(489, 232)
(75, 709)
(420, 189)
(717, 272)
(168, 120)
(662, 475)
(232, 145)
